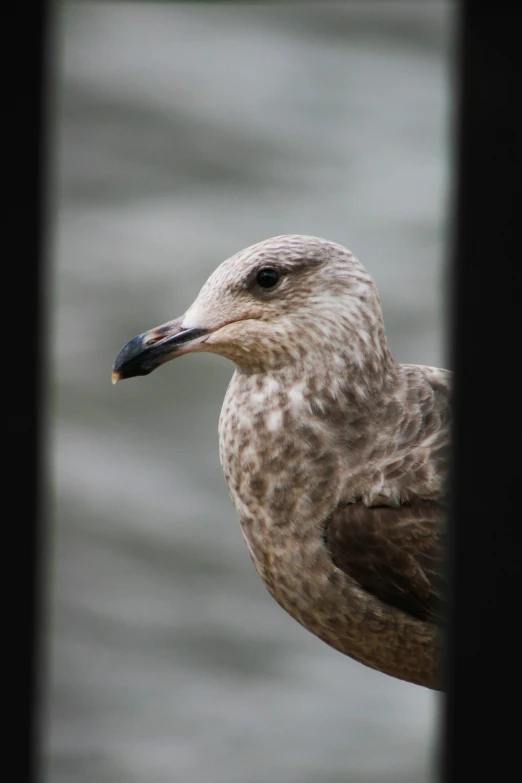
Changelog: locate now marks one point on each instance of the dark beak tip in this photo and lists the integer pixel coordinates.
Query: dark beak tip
(146, 351)
(125, 359)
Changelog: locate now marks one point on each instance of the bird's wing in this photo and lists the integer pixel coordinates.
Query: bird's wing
(396, 554)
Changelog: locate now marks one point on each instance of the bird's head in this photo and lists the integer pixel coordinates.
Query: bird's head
(288, 300)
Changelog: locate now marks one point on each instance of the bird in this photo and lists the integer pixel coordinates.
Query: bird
(336, 456)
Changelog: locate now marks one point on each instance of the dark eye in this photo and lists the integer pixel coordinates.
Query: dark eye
(267, 277)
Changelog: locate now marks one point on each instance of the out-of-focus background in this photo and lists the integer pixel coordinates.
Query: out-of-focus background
(182, 133)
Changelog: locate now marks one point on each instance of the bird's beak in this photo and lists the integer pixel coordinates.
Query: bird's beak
(144, 353)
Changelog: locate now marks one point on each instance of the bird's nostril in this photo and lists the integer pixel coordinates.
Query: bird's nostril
(154, 340)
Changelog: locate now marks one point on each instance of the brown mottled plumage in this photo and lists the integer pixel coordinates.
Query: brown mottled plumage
(335, 455)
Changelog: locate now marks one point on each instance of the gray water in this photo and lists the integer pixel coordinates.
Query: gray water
(182, 134)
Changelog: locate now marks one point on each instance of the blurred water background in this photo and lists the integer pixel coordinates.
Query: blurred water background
(182, 133)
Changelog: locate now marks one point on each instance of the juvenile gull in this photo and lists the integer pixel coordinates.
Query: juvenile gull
(334, 454)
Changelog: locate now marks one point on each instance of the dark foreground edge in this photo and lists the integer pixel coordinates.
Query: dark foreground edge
(481, 735)
(24, 213)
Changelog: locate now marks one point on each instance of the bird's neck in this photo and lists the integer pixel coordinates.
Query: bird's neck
(280, 436)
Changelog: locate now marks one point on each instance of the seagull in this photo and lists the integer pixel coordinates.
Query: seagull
(335, 455)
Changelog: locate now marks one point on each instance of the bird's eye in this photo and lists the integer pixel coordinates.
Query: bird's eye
(267, 277)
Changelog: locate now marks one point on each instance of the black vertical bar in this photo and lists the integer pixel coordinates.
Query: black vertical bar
(25, 31)
(484, 696)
